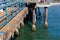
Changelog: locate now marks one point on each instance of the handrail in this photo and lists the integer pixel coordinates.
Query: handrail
(8, 4)
(18, 3)
(4, 2)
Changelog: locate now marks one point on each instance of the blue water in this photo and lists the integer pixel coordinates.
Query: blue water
(50, 33)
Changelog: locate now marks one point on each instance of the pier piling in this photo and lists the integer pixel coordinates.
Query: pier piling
(45, 16)
(34, 21)
(16, 32)
(22, 24)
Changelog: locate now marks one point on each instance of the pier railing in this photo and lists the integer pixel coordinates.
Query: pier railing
(39, 1)
(9, 9)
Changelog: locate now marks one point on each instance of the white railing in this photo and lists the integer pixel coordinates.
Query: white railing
(49, 1)
(36, 1)
(31, 1)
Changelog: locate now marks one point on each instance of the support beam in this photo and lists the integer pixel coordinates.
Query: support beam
(34, 21)
(34, 17)
(45, 16)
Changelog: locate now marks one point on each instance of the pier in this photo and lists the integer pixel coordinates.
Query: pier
(13, 14)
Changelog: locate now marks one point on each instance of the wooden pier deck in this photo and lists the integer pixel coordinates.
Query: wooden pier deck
(13, 25)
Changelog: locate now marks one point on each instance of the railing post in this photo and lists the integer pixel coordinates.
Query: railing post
(12, 9)
(7, 15)
(20, 5)
(17, 6)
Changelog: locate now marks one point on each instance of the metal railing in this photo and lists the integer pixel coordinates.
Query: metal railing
(18, 4)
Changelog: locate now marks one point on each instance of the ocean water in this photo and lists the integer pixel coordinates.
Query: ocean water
(50, 33)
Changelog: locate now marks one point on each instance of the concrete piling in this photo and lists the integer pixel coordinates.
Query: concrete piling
(34, 21)
(22, 24)
(13, 35)
(33, 27)
(16, 32)
(34, 17)
(19, 26)
(45, 16)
